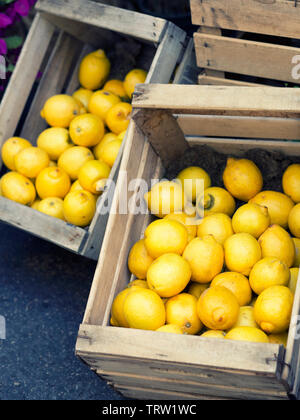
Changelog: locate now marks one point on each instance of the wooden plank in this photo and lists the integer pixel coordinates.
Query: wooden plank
(205, 79)
(266, 17)
(251, 58)
(212, 31)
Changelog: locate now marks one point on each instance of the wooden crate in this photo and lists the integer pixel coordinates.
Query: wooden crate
(151, 365)
(61, 34)
(253, 42)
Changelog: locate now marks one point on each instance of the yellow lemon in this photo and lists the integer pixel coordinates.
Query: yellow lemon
(165, 197)
(144, 309)
(11, 148)
(273, 309)
(76, 186)
(52, 164)
(276, 242)
(118, 117)
(101, 102)
(206, 258)
(246, 317)
(279, 339)
(87, 130)
(170, 328)
(138, 283)
(268, 272)
(165, 236)
(187, 221)
(121, 136)
(213, 334)
(168, 275)
(117, 87)
(17, 187)
(52, 206)
(251, 218)
(215, 200)
(182, 311)
(35, 204)
(79, 208)
(291, 182)
(297, 252)
(242, 178)
(247, 334)
(117, 309)
(294, 276)
(94, 70)
(218, 308)
(278, 204)
(60, 110)
(237, 283)
(73, 159)
(53, 182)
(54, 141)
(139, 260)
(93, 176)
(194, 181)
(196, 289)
(294, 221)
(242, 251)
(132, 78)
(219, 225)
(84, 96)
(107, 138)
(109, 152)
(31, 161)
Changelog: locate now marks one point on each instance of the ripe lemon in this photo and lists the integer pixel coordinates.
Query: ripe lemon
(291, 182)
(117, 87)
(170, 328)
(94, 70)
(52, 206)
(121, 136)
(168, 275)
(237, 283)
(76, 186)
(93, 176)
(54, 141)
(242, 251)
(273, 309)
(138, 283)
(294, 276)
(139, 260)
(247, 334)
(206, 258)
(84, 96)
(278, 204)
(215, 200)
(109, 152)
(268, 272)
(279, 339)
(53, 182)
(276, 242)
(132, 78)
(294, 221)
(108, 137)
(242, 178)
(117, 309)
(194, 181)
(31, 161)
(165, 236)
(73, 159)
(251, 218)
(213, 334)
(60, 110)
(297, 252)
(118, 117)
(79, 208)
(87, 130)
(101, 102)
(144, 309)
(219, 225)
(246, 317)
(35, 204)
(11, 148)
(218, 308)
(186, 221)
(196, 289)
(17, 187)
(181, 310)
(165, 197)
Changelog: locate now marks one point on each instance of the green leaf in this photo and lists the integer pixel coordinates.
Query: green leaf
(13, 42)
(4, 2)
(10, 68)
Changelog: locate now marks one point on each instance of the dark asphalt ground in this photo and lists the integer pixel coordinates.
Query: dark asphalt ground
(43, 295)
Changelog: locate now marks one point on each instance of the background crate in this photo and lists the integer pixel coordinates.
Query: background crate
(61, 34)
(248, 42)
(151, 365)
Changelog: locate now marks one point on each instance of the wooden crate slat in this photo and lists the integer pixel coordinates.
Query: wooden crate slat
(204, 79)
(187, 71)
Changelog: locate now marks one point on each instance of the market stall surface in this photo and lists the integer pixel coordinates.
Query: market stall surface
(44, 291)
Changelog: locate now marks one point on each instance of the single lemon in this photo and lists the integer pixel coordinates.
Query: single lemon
(242, 251)
(218, 224)
(117, 87)
(170, 328)
(187, 221)
(73, 159)
(294, 221)
(107, 138)
(118, 117)
(279, 206)
(52, 206)
(215, 200)
(251, 218)
(94, 70)
(279, 338)
(101, 102)
(276, 242)
(206, 258)
(254, 335)
(242, 178)
(237, 283)
(53, 182)
(121, 136)
(87, 130)
(139, 260)
(268, 272)
(132, 78)
(196, 289)
(194, 181)
(165, 197)
(138, 283)
(79, 208)
(31, 161)
(273, 309)
(52, 164)
(144, 309)
(213, 334)
(294, 276)
(17, 187)
(117, 309)
(11, 148)
(182, 311)
(60, 110)
(82, 108)
(218, 308)
(165, 236)
(76, 186)
(93, 176)
(54, 140)
(109, 152)
(291, 182)
(84, 96)
(35, 204)
(246, 317)
(297, 252)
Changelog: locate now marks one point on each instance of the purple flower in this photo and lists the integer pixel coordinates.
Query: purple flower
(5, 20)
(22, 7)
(3, 47)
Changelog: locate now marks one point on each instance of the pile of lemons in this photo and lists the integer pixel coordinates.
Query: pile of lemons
(64, 174)
(231, 274)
